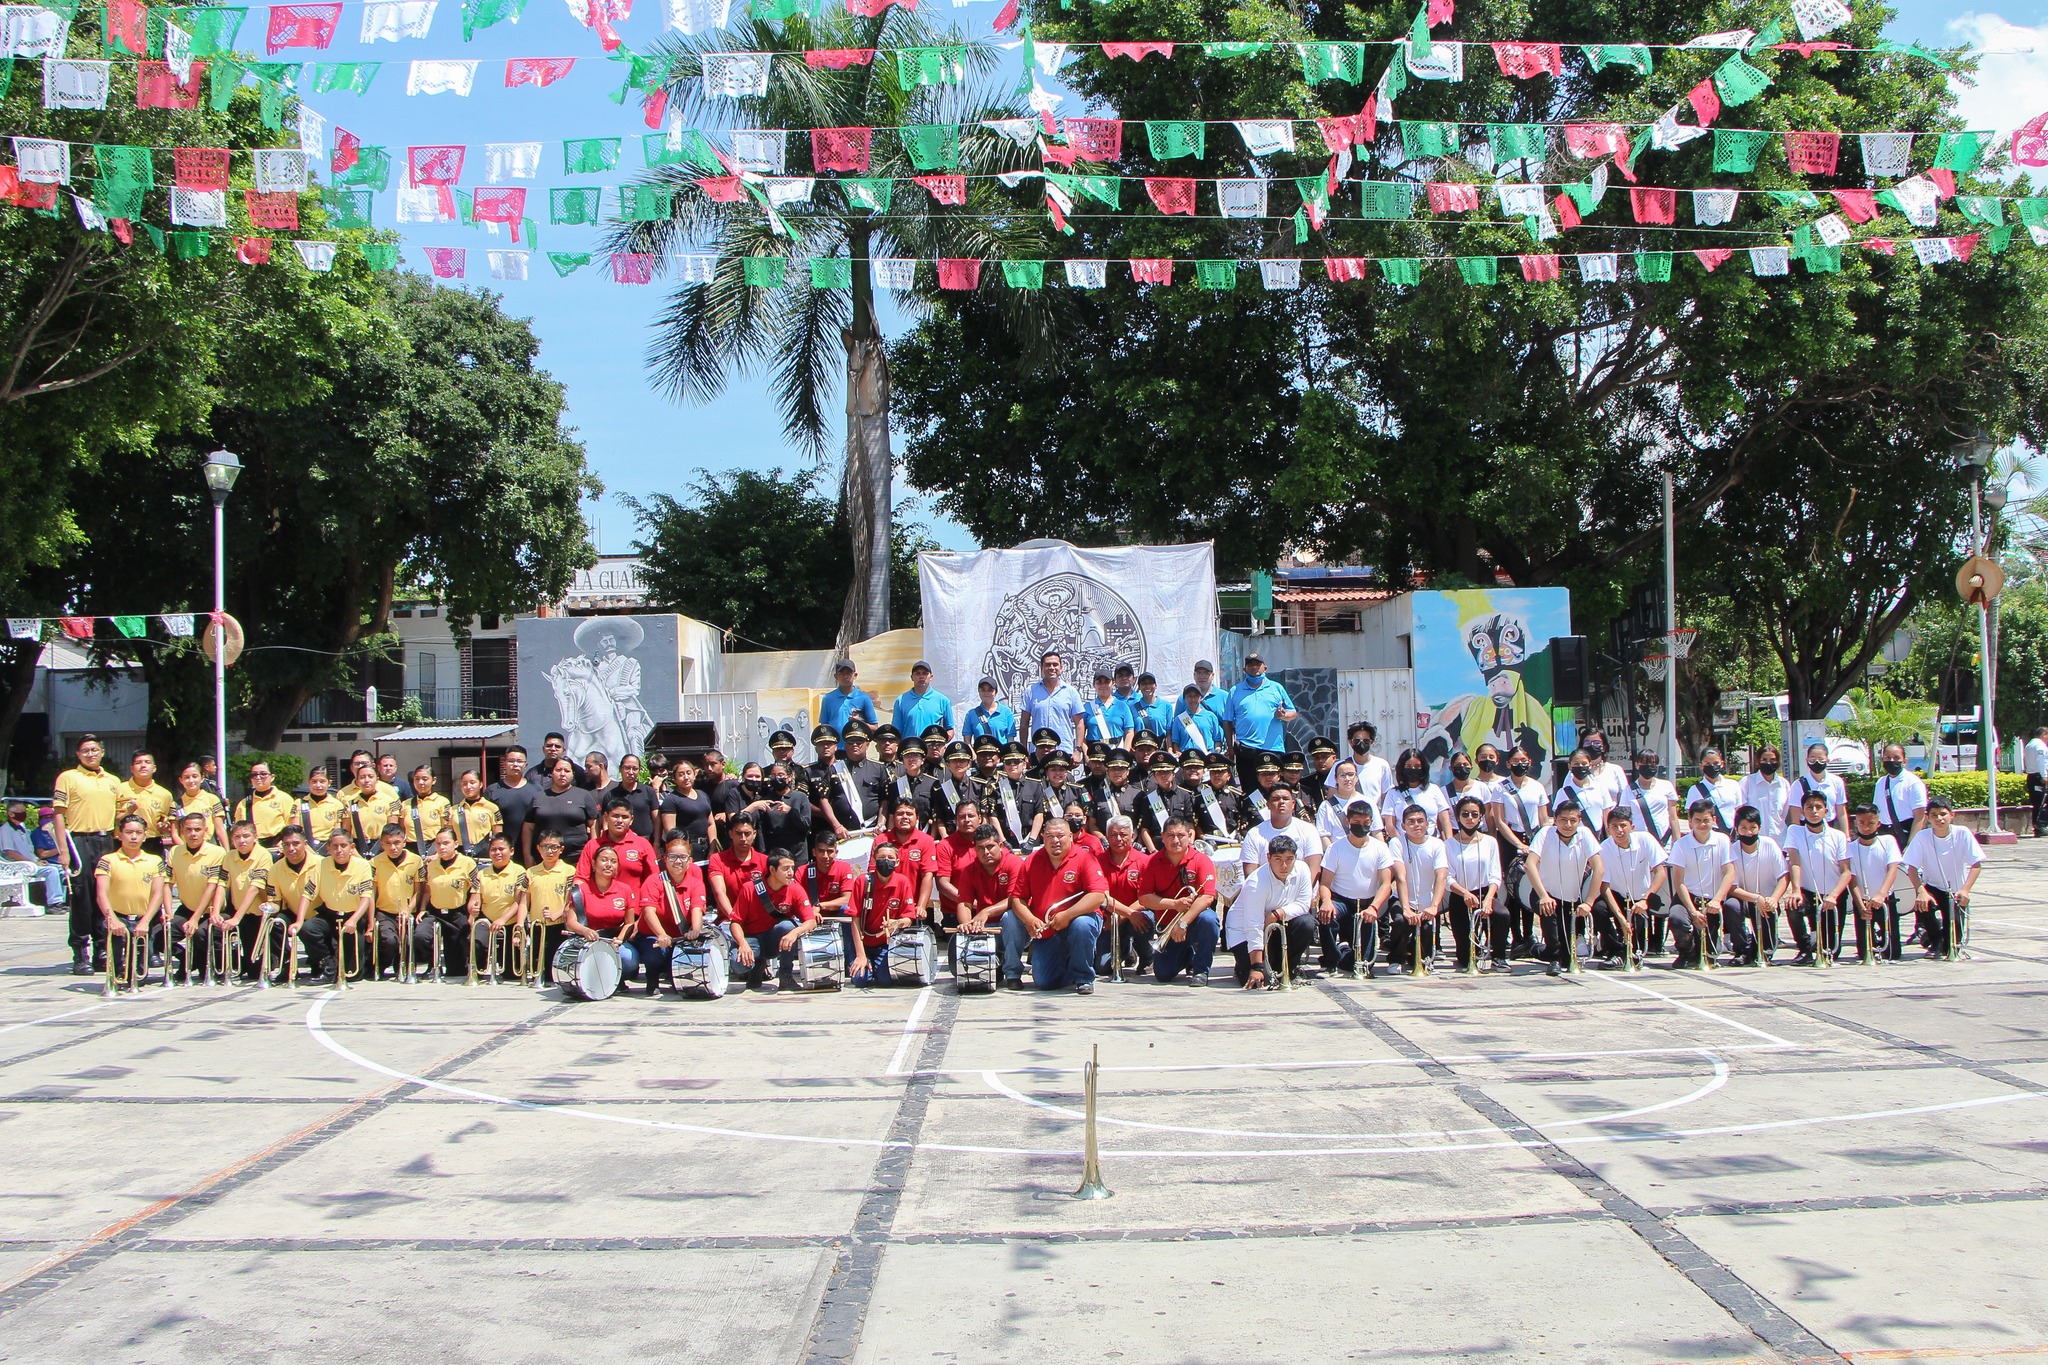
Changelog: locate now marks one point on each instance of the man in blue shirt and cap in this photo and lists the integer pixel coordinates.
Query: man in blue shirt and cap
(846, 701)
(923, 705)
(1255, 718)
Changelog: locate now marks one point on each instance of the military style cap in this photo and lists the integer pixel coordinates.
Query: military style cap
(931, 732)
(1218, 763)
(1268, 764)
(1162, 762)
(1043, 735)
(1322, 744)
(959, 749)
(986, 744)
(1119, 758)
(1015, 749)
(1192, 758)
(824, 734)
(1097, 751)
(1294, 762)
(887, 731)
(1145, 740)
(1058, 759)
(782, 739)
(856, 729)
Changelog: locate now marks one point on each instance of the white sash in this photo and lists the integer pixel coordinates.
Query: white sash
(1215, 809)
(1009, 796)
(851, 792)
(952, 794)
(902, 784)
(1158, 807)
(1101, 714)
(1195, 740)
(1258, 800)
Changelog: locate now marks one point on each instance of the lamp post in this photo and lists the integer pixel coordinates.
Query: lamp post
(222, 469)
(1976, 450)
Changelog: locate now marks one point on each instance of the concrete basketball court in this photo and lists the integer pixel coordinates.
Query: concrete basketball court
(1784, 1165)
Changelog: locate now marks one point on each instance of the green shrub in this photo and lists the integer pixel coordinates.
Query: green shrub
(1966, 791)
(288, 770)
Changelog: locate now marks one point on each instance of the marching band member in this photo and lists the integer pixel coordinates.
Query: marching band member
(1119, 795)
(1593, 796)
(343, 890)
(1900, 797)
(1375, 774)
(1151, 714)
(1293, 772)
(1044, 747)
(1053, 905)
(769, 914)
(637, 861)
(372, 807)
(398, 874)
(451, 896)
(1085, 837)
(1359, 874)
(1473, 878)
(561, 808)
(197, 879)
(1335, 809)
(1428, 874)
(1724, 792)
(1194, 766)
(738, 863)
(245, 871)
(1106, 717)
(1061, 791)
(1818, 780)
(888, 741)
(912, 783)
(129, 887)
(426, 814)
(887, 901)
(984, 884)
(1123, 869)
(1632, 877)
(1564, 867)
(1219, 807)
(1278, 891)
(476, 821)
(952, 853)
(1654, 802)
(1280, 819)
(266, 808)
(1162, 803)
(550, 884)
(646, 801)
(1412, 787)
(1019, 800)
(862, 782)
(934, 738)
(143, 795)
(512, 794)
(916, 852)
(1195, 727)
(831, 884)
(291, 877)
(1763, 881)
(1943, 861)
(991, 719)
(672, 906)
(1608, 777)
(500, 902)
(1876, 862)
(193, 796)
(603, 906)
(1819, 855)
(955, 787)
(1464, 784)
(1176, 902)
(1521, 808)
(1770, 793)
(1702, 877)
(322, 812)
(1315, 783)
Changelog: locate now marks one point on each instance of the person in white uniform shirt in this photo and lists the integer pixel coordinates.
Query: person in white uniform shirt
(1605, 775)
(1360, 874)
(1943, 862)
(1653, 801)
(1900, 797)
(1632, 876)
(1770, 792)
(1465, 782)
(1473, 886)
(2034, 763)
(1819, 854)
(1702, 876)
(1281, 892)
(1412, 787)
(1521, 808)
(1817, 779)
(1375, 774)
(1717, 787)
(1410, 939)
(1763, 884)
(1335, 810)
(1564, 868)
(1875, 864)
(1593, 796)
(1281, 819)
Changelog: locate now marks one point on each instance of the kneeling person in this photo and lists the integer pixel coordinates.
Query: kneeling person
(1279, 893)
(1178, 894)
(1053, 908)
(769, 914)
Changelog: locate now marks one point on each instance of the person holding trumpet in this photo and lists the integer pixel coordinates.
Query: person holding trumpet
(131, 889)
(1053, 908)
(1278, 892)
(500, 906)
(1473, 885)
(983, 884)
(449, 900)
(1177, 893)
(1564, 864)
(1359, 876)
(1762, 887)
(1702, 878)
(1877, 864)
(1428, 869)
(245, 870)
(196, 877)
(1632, 877)
(550, 882)
(397, 872)
(344, 892)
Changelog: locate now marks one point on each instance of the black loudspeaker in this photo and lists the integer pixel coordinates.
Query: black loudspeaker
(1568, 681)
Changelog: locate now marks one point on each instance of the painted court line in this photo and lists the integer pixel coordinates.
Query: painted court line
(53, 1018)
(924, 997)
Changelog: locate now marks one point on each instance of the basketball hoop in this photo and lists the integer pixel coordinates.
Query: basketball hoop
(1680, 641)
(1656, 665)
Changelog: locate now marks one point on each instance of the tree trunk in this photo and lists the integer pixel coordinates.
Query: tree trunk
(865, 485)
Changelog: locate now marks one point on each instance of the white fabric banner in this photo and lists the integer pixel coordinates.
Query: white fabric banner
(317, 256)
(440, 78)
(993, 613)
(505, 161)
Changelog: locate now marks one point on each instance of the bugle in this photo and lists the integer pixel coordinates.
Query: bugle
(1284, 980)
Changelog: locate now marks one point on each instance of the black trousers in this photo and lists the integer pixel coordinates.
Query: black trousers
(1648, 930)
(1558, 929)
(1693, 946)
(1946, 919)
(454, 926)
(1401, 936)
(386, 952)
(1300, 932)
(1814, 928)
(1334, 938)
(2037, 796)
(86, 933)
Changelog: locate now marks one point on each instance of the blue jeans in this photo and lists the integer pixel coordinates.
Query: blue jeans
(878, 973)
(659, 961)
(1194, 954)
(1065, 959)
(629, 960)
(764, 949)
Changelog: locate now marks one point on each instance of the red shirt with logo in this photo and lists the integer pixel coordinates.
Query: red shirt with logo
(689, 894)
(637, 861)
(1124, 878)
(727, 866)
(1163, 877)
(606, 910)
(882, 899)
(980, 888)
(755, 919)
(1044, 887)
(955, 851)
(841, 878)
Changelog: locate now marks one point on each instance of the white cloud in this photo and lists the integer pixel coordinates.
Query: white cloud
(2011, 84)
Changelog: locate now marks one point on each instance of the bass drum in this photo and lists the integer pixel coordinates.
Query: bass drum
(587, 968)
(855, 851)
(913, 955)
(701, 967)
(820, 961)
(976, 961)
(1521, 892)
(1229, 871)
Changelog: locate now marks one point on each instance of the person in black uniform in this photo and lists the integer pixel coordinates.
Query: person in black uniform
(1118, 793)
(1060, 787)
(1194, 771)
(955, 786)
(910, 782)
(685, 810)
(1219, 807)
(1018, 799)
(933, 738)
(1094, 769)
(1162, 803)
(1144, 744)
(1045, 742)
(818, 778)
(1293, 771)
(888, 746)
(1322, 764)
(870, 779)
(782, 749)
(1266, 771)
(782, 813)
(988, 752)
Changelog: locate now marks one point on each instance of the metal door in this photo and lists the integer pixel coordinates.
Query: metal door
(1384, 696)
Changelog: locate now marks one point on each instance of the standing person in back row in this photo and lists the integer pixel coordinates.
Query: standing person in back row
(513, 795)
(1900, 797)
(1255, 719)
(2034, 763)
(1053, 704)
(845, 701)
(84, 806)
(923, 705)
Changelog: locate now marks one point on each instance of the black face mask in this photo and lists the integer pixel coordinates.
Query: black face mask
(1411, 778)
(1812, 821)
(1361, 747)
(1582, 773)
(1817, 768)
(1710, 770)
(1646, 771)
(1461, 771)
(1767, 769)
(1519, 769)
(1487, 765)
(1360, 828)
(780, 786)
(885, 869)
(1747, 840)
(1893, 767)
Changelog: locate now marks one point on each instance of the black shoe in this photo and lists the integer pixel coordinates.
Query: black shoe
(1084, 988)
(1500, 964)
(1371, 971)
(1014, 983)
(81, 967)
(1198, 978)
(1803, 960)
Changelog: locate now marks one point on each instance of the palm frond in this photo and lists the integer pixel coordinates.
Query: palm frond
(808, 361)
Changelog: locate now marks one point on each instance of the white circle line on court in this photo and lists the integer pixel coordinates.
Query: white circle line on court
(320, 1035)
(1348, 1063)
(53, 1018)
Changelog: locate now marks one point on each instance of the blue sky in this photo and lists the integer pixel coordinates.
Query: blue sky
(594, 334)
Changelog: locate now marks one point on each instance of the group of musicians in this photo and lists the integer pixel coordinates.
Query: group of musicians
(1069, 857)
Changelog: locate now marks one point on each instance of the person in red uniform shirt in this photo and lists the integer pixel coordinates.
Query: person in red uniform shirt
(888, 901)
(955, 851)
(1179, 889)
(637, 858)
(829, 882)
(769, 914)
(1053, 906)
(733, 866)
(917, 854)
(600, 906)
(986, 881)
(671, 907)
(1123, 864)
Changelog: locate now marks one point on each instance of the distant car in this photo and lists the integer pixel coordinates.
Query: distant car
(1848, 757)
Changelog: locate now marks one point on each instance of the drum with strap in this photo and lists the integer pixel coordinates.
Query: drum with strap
(912, 954)
(977, 959)
(588, 968)
(820, 961)
(702, 965)
(1229, 870)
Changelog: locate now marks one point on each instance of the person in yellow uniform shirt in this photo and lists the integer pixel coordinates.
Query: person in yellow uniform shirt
(291, 877)
(451, 900)
(343, 891)
(400, 873)
(548, 883)
(194, 798)
(426, 814)
(321, 811)
(84, 808)
(129, 890)
(370, 810)
(246, 870)
(267, 808)
(200, 885)
(501, 906)
(477, 820)
(143, 795)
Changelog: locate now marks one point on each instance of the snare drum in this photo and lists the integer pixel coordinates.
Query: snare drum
(1229, 870)
(913, 955)
(977, 959)
(701, 966)
(587, 968)
(820, 961)
(1521, 891)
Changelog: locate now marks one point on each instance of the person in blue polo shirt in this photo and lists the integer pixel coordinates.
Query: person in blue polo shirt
(922, 705)
(845, 700)
(993, 717)
(1255, 716)
(1195, 727)
(1107, 715)
(1151, 714)
(1213, 697)
(1053, 704)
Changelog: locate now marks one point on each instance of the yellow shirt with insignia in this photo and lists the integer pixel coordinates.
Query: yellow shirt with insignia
(352, 793)
(202, 801)
(153, 803)
(318, 818)
(500, 890)
(476, 821)
(243, 873)
(547, 893)
(131, 882)
(340, 889)
(194, 875)
(398, 881)
(271, 811)
(368, 815)
(87, 800)
(288, 884)
(449, 884)
(425, 817)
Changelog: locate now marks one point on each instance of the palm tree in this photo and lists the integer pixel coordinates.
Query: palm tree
(713, 329)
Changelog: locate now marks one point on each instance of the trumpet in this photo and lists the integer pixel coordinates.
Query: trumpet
(223, 956)
(135, 947)
(342, 939)
(535, 936)
(281, 941)
(407, 966)
(1285, 980)
(1827, 933)
(1421, 968)
(497, 945)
